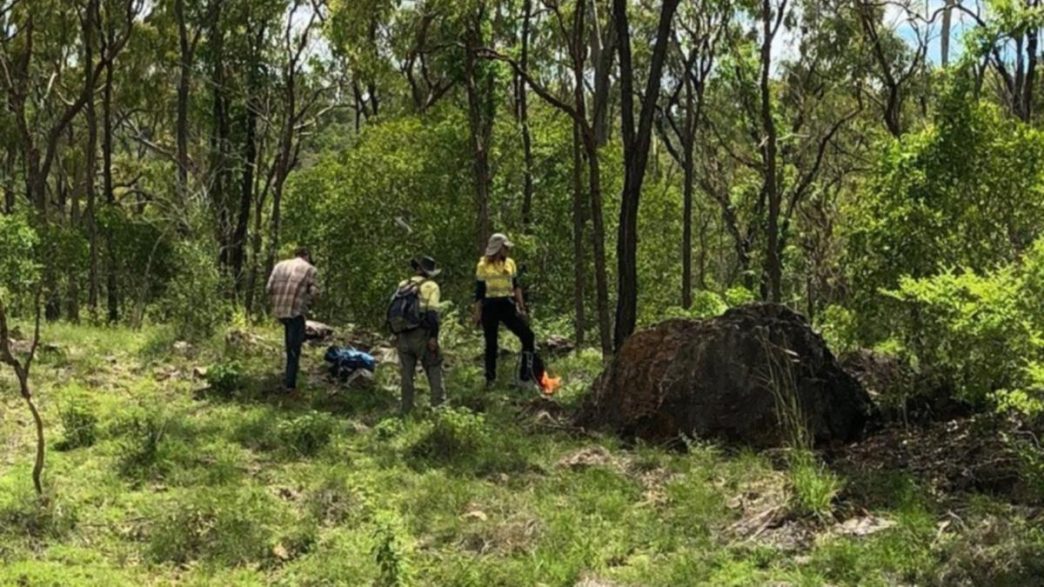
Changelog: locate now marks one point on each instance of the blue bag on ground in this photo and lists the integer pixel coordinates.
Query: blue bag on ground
(344, 361)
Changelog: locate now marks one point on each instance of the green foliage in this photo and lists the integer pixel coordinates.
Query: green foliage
(193, 302)
(965, 192)
(18, 266)
(23, 513)
(306, 435)
(813, 486)
(144, 449)
(980, 333)
(455, 433)
(225, 379)
(80, 426)
(230, 526)
(391, 552)
(839, 328)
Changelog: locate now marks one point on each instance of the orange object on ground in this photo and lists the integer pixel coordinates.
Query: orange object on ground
(549, 385)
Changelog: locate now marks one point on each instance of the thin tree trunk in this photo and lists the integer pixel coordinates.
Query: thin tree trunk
(112, 290)
(637, 141)
(579, 264)
(91, 164)
(220, 137)
(602, 54)
(72, 310)
(1032, 42)
(688, 167)
(184, 83)
(773, 257)
(479, 137)
(21, 370)
(10, 161)
(523, 119)
(246, 190)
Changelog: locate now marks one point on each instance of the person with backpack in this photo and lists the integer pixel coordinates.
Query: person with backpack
(413, 316)
(498, 300)
(292, 287)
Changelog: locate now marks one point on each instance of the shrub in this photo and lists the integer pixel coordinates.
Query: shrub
(307, 435)
(193, 302)
(26, 514)
(80, 427)
(454, 432)
(391, 553)
(813, 486)
(144, 447)
(225, 379)
(225, 525)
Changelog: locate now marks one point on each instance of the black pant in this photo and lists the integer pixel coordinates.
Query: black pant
(294, 330)
(496, 311)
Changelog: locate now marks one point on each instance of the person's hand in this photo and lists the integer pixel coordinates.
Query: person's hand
(522, 311)
(476, 319)
(433, 346)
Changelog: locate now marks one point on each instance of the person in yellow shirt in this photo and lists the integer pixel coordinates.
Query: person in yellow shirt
(421, 342)
(498, 300)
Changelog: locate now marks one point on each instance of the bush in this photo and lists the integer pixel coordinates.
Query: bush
(23, 513)
(225, 379)
(144, 448)
(307, 435)
(391, 553)
(194, 299)
(80, 427)
(227, 526)
(813, 486)
(454, 432)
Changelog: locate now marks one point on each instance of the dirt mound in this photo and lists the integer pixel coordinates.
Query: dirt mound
(901, 393)
(966, 455)
(726, 378)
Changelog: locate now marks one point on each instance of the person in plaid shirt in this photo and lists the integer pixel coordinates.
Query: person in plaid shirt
(292, 287)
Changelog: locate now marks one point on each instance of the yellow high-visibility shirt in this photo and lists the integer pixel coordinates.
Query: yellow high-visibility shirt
(428, 294)
(499, 277)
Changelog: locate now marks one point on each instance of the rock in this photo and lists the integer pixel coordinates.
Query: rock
(558, 345)
(317, 331)
(863, 526)
(595, 456)
(726, 378)
(182, 348)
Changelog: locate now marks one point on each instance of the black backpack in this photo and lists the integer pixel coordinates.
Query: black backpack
(404, 312)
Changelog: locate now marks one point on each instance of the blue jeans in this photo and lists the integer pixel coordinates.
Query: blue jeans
(294, 330)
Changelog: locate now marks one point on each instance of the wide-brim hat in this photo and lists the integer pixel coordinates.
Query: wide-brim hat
(425, 265)
(497, 242)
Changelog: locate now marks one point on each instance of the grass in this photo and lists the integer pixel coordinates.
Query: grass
(160, 483)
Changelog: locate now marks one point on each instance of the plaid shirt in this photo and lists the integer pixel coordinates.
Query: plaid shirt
(291, 287)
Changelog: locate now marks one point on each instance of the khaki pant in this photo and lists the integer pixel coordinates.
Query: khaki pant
(413, 347)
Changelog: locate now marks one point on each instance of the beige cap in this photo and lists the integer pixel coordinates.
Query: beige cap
(497, 242)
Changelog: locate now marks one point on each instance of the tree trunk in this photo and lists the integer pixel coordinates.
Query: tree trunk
(603, 40)
(688, 165)
(479, 128)
(605, 328)
(773, 272)
(579, 265)
(112, 290)
(246, 190)
(10, 161)
(184, 82)
(220, 137)
(637, 141)
(523, 120)
(90, 165)
(1032, 42)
